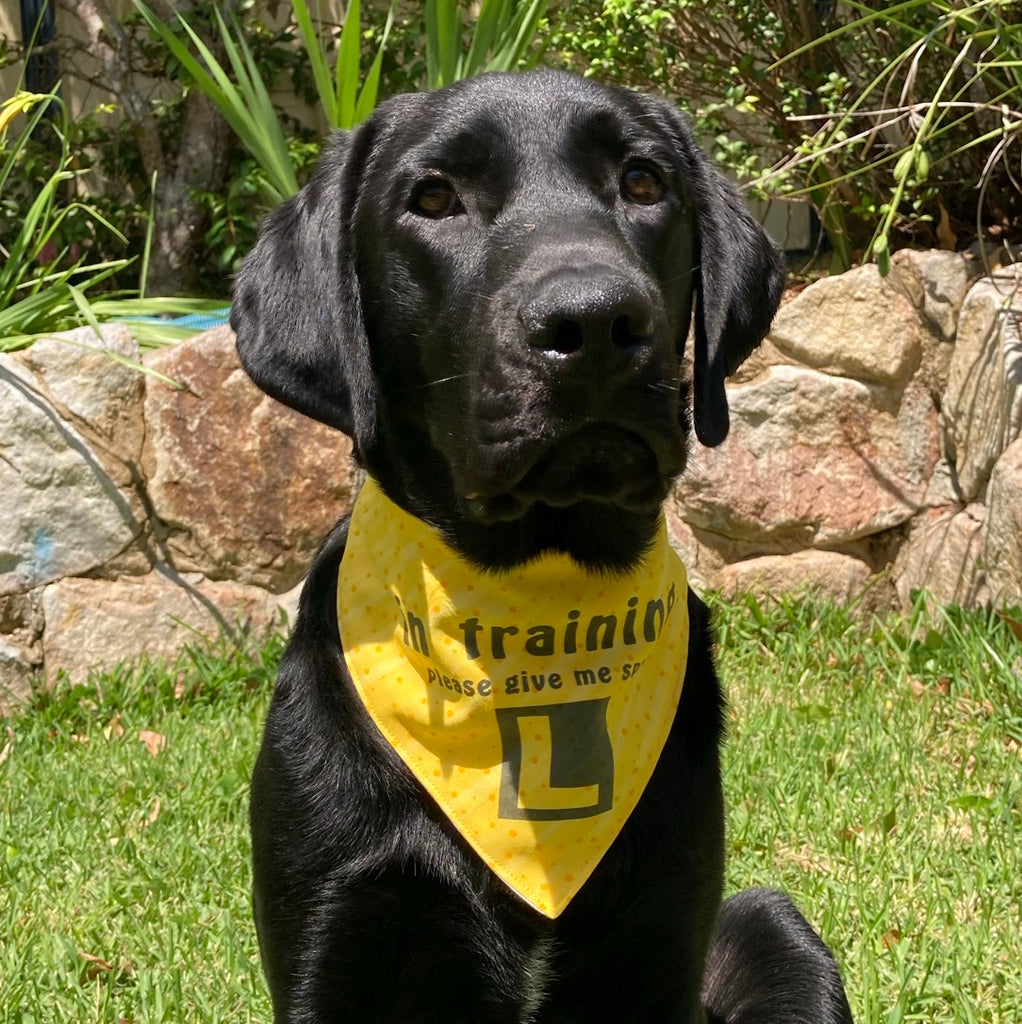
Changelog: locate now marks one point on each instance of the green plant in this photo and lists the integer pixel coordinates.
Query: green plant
(899, 121)
(872, 768)
(344, 102)
(241, 95)
(49, 280)
(940, 117)
(501, 38)
(124, 879)
(43, 282)
(243, 99)
(715, 60)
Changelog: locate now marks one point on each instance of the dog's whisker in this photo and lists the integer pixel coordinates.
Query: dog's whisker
(684, 275)
(433, 383)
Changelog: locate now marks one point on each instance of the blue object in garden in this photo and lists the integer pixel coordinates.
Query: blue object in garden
(203, 321)
(195, 322)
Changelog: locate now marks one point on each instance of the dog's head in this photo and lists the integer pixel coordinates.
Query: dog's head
(490, 287)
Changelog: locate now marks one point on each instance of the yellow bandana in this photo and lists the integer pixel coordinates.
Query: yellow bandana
(532, 705)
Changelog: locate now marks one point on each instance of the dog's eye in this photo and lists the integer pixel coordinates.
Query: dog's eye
(435, 198)
(641, 185)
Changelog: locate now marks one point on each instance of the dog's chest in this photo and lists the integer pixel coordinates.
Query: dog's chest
(536, 978)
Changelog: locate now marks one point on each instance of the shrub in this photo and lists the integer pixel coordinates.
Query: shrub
(47, 237)
(898, 120)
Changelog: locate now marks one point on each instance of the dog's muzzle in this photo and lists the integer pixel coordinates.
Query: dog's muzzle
(603, 396)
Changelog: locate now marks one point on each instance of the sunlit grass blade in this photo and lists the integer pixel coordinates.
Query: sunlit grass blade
(513, 45)
(34, 107)
(488, 25)
(443, 42)
(51, 304)
(256, 108)
(88, 314)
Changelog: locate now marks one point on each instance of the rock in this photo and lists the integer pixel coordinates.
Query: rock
(936, 284)
(1002, 550)
(65, 504)
(93, 625)
(764, 356)
(245, 488)
(942, 555)
(21, 625)
(812, 461)
(827, 574)
(84, 379)
(15, 678)
(941, 490)
(851, 325)
(701, 562)
(982, 408)
(1009, 272)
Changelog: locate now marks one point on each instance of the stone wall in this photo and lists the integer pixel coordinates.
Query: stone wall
(875, 444)
(135, 515)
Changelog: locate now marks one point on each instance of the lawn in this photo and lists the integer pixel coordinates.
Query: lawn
(873, 771)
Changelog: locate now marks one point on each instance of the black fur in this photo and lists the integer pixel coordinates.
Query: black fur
(490, 289)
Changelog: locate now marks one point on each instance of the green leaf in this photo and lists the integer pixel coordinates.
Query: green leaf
(970, 802)
(443, 42)
(370, 89)
(247, 107)
(326, 87)
(348, 66)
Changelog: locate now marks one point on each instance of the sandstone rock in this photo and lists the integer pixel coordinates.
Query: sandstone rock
(942, 489)
(701, 562)
(1009, 271)
(96, 624)
(246, 488)
(15, 678)
(936, 284)
(61, 509)
(827, 574)
(982, 408)
(764, 356)
(1002, 550)
(21, 625)
(851, 325)
(84, 380)
(942, 555)
(812, 461)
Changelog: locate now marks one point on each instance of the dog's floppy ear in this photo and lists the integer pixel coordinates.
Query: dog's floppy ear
(297, 311)
(739, 278)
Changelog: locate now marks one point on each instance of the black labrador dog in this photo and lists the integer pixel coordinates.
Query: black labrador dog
(490, 288)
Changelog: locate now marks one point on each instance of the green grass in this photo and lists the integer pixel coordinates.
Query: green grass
(873, 771)
(108, 851)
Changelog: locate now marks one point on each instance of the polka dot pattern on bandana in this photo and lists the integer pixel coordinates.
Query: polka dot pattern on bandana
(532, 705)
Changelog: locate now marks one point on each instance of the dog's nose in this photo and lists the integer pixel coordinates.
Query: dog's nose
(598, 316)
